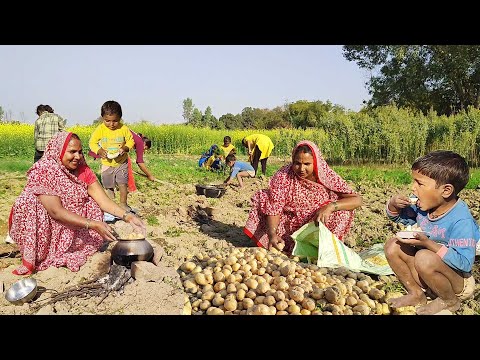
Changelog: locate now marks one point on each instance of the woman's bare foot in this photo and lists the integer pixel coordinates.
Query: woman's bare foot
(407, 300)
(437, 305)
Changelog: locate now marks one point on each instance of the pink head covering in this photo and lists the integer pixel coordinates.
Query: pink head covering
(324, 173)
(54, 151)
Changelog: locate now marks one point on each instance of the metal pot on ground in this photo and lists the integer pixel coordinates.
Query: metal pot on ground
(127, 251)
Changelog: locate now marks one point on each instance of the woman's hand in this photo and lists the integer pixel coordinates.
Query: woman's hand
(276, 242)
(103, 229)
(323, 214)
(136, 222)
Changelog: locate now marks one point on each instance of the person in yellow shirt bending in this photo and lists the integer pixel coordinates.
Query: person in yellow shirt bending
(259, 149)
(112, 141)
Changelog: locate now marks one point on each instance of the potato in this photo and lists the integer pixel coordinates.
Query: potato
(230, 304)
(209, 295)
(251, 283)
(214, 311)
(240, 294)
(351, 301)
(376, 294)
(205, 304)
(259, 299)
(218, 301)
(332, 294)
(231, 288)
(293, 309)
(231, 279)
(188, 266)
(295, 294)
(269, 300)
(247, 303)
(279, 295)
(308, 304)
(219, 286)
(262, 288)
(219, 276)
(281, 305)
(318, 293)
(361, 309)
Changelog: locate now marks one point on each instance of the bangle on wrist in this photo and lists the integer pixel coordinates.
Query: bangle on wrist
(273, 230)
(87, 224)
(124, 217)
(335, 206)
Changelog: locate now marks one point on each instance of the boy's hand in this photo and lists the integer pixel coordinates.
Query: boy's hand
(398, 202)
(102, 153)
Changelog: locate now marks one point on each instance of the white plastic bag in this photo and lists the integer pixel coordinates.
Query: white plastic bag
(319, 245)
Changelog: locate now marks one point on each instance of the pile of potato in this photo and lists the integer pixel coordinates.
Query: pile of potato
(254, 281)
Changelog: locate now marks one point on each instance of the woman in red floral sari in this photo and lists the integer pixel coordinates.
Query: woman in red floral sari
(57, 220)
(303, 191)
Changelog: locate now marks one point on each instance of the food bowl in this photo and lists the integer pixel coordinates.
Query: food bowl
(22, 291)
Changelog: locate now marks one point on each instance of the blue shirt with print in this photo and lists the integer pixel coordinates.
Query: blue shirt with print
(457, 230)
(240, 166)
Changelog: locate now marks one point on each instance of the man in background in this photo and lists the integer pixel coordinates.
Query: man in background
(47, 125)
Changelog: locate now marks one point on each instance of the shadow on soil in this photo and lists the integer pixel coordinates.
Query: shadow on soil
(233, 234)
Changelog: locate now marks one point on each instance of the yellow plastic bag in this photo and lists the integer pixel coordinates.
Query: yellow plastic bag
(319, 245)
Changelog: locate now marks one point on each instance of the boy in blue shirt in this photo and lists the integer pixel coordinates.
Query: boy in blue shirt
(239, 169)
(440, 259)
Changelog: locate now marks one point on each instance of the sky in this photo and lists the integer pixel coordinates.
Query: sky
(151, 81)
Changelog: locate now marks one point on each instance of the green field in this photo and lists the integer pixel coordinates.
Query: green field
(183, 169)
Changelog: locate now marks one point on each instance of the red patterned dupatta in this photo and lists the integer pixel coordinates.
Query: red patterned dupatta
(42, 240)
(296, 200)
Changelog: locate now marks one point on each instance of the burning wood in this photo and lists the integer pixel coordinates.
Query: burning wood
(117, 277)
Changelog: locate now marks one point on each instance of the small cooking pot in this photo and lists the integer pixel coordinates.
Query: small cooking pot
(127, 251)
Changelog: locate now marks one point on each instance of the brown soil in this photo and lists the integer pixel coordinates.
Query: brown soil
(182, 224)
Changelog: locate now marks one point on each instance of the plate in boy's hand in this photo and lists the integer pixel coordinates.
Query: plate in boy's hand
(409, 234)
(113, 155)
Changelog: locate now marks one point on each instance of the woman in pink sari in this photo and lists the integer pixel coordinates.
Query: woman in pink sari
(57, 220)
(303, 191)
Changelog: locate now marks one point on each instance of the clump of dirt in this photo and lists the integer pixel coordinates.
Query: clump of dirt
(181, 224)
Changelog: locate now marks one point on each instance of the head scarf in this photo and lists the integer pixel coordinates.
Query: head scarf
(322, 171)
(52, 161)
(42, 240)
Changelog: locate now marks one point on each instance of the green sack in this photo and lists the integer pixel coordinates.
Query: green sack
(319, 245)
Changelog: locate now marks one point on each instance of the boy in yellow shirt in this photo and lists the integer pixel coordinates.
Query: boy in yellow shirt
(112, 141)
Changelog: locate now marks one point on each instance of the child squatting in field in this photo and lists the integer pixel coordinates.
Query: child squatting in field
(239, 169)
(440, 258)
